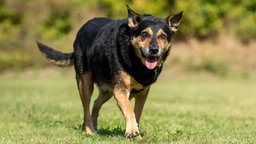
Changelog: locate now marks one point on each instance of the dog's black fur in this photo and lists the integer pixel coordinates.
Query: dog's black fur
(123, 57)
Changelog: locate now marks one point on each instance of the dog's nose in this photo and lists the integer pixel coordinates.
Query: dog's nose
(153, 50)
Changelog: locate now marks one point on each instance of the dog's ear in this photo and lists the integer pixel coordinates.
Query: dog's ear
(174, 20)
(133, 18)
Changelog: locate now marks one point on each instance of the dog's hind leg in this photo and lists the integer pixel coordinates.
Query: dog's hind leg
(85, 87)
(102, 98)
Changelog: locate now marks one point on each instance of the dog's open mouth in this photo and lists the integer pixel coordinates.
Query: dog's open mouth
(151, 62)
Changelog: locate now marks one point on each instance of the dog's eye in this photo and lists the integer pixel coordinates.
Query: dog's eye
(144, 35)
(162, 37)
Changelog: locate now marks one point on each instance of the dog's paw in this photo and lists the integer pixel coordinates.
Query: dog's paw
(132, 132)
(90, 131)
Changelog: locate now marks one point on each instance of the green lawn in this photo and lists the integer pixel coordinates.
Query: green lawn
(38, 107)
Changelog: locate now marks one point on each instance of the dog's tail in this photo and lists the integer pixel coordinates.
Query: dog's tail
(56, 57)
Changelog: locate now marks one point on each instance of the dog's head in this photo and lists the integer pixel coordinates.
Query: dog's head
(151, 36)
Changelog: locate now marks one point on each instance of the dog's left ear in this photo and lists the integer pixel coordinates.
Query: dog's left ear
(133, 18)
(174, 20)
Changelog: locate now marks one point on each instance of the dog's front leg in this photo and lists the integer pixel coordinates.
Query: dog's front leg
(140, 99)
(122, 93)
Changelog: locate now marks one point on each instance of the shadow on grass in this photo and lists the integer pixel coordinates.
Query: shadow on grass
(111, 132)
(104, 131)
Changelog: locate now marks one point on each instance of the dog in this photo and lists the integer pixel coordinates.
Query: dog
(123, 57)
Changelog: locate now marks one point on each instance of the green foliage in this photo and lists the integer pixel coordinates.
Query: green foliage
(57, 24)
(10, 19)
(246, 29)
(9, 15)
(202, 18)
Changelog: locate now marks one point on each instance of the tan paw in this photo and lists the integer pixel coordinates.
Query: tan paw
(132, 132)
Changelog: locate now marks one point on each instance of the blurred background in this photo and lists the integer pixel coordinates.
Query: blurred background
(215, 37)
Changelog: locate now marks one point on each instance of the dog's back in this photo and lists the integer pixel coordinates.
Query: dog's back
(90, 30)
(95, 44)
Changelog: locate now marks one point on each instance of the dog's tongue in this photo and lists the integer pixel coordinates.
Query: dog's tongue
(150, 64)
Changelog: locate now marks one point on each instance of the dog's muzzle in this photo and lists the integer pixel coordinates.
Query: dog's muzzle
(151, 56)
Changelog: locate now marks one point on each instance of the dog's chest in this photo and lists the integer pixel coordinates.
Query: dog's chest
(125, 82)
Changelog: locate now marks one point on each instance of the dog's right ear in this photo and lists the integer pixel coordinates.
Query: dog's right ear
(133, 18)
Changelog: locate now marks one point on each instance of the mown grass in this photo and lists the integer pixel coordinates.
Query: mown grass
(38, 107)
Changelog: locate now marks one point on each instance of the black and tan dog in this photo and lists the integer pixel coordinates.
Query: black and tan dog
(123, 57)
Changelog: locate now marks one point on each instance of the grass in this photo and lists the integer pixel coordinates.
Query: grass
(44, 107)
